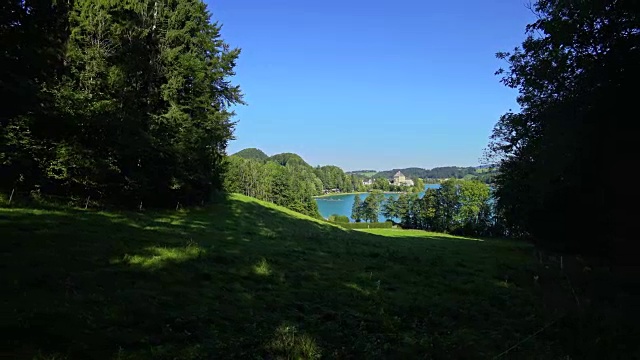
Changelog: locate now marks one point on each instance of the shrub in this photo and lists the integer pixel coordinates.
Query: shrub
(340, 219)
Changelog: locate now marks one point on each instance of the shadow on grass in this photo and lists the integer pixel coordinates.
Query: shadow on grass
(243, 280)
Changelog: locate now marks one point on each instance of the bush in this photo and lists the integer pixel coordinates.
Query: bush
(340, 219)
(376, 225)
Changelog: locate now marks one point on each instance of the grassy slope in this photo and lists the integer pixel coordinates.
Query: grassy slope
(249, 279)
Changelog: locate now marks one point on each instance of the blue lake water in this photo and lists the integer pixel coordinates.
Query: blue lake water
(341, 204)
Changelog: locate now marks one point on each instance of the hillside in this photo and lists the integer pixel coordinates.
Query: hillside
(446, 172)
(289, 158)
(245, 278)
(252, 153)
(365, 173)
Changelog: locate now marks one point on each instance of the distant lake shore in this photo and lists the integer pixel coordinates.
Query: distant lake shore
(341, 203)
(355, 193)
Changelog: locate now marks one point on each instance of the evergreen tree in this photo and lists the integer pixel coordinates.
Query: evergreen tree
(390, 208)
(132, 100)
(356, 209)
(574, 72)
(371, 206)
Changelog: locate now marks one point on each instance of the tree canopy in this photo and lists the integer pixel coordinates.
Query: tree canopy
(252, 153)
(458, 207)
(575, 72)
(288, 159)
(123, 101)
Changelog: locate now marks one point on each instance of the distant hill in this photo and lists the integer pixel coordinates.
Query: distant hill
(445, 172)
(252, 153)
(413, 172)
(288, 158)
(365, 173)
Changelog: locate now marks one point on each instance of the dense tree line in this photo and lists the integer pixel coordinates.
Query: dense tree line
(383, 184)
(123, 101)
(285, 159)
(286, 179)
(334, 178)
(575, 72)
(457, 207)
(369, 209)
(291, 186)
(448, 172)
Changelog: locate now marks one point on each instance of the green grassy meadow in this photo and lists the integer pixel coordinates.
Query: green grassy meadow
(248, 279)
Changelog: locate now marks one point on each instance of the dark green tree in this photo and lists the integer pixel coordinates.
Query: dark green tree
(390, 208)
(371, 206)
(574, 73)
(252, 153)
(356, 209)
(132, 98)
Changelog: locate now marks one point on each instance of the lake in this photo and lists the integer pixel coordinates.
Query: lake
(341, 203)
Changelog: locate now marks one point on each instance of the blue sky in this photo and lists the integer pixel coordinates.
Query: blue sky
(371, 84)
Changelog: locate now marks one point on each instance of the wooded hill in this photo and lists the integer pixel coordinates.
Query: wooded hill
(483, 173)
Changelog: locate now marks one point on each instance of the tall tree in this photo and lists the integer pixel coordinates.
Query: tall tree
(371, 206)
(574, 73)
(32, 37)
(356, 209)
(132, 98)
(390, 208)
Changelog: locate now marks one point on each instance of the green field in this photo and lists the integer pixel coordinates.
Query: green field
(248, 279)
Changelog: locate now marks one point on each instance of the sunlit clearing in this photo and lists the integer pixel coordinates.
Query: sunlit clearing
(262, 268)
(289, 343)
(155, 257)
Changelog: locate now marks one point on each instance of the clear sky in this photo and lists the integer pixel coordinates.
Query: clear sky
(371, 84)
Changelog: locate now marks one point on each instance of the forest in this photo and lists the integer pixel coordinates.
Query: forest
(558, 154)
(124, 102)
(484, 174)
(285, 179)
(461, 207)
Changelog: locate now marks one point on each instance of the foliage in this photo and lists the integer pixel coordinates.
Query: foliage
(132, 100)
(418, 185)
(574, 73)
(252, 153)
(249, 277)
(458, 206)
(336, 218)
(333, 177)
(285, 159)
(390, 209)
(484, 174)
(291, 186)
(287, 180)
(370, 207)
(356, 209)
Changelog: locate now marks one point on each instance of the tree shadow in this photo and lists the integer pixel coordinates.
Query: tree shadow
(243, 280)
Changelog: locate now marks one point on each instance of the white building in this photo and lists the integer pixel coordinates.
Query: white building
(400, 179)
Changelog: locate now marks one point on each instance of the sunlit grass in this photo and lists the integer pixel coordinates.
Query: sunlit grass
(262, 268)
(248, 279)
(156, 257)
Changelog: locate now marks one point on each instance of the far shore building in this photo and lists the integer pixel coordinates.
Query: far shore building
(400, 179)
